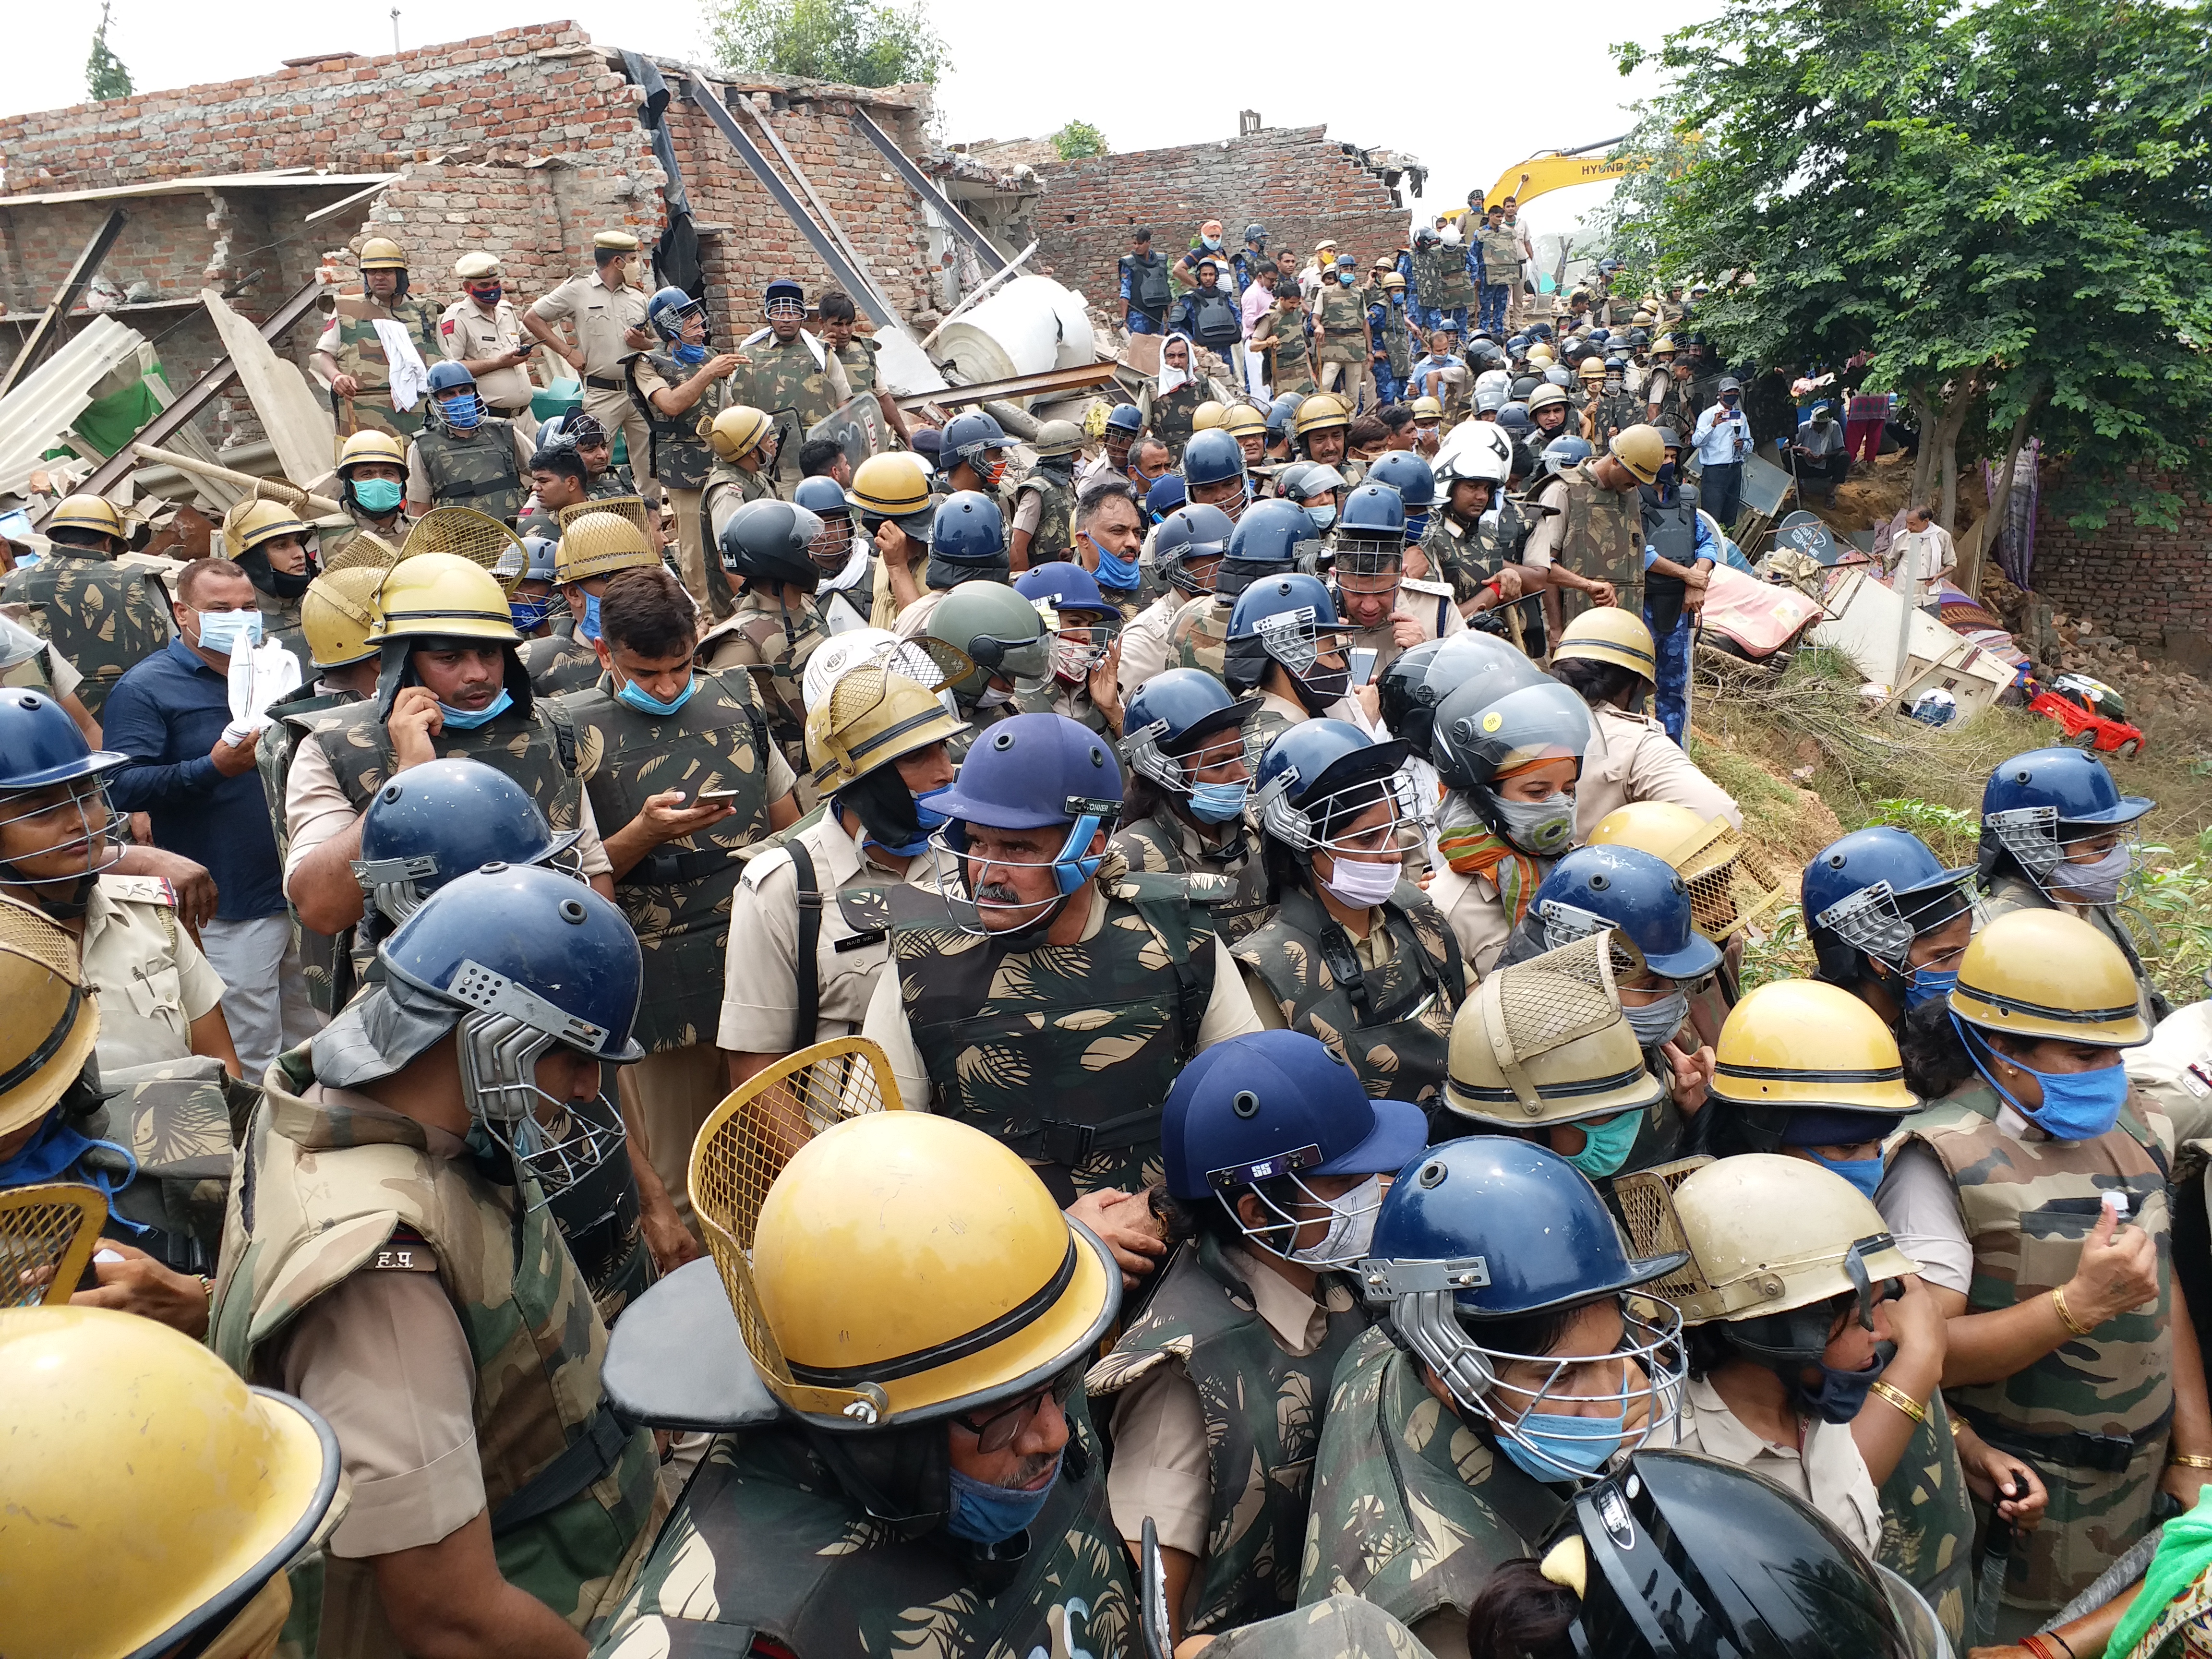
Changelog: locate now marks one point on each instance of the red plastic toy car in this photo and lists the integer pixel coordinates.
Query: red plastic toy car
(2092, 714)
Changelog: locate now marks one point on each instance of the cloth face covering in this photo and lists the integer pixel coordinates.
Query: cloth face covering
(2076, 1105)
(1605, 1145)
(1655, 1022)
(2098, 883)
(1540, 828)
(984, 1514)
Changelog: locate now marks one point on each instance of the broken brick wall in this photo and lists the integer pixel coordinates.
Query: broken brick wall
(1295, 181)
(2149, 586)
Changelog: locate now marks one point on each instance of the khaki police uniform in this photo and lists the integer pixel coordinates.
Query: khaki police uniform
(421, 497)
(602, 316)
(1826, 1472)
(1632, 758)
(466, 334)
(149, 978)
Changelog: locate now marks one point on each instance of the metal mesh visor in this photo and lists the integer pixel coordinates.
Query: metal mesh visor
(2030, 834)
(88, 830)
(47, 1233)
(474, 535)
(857, 693)
(1731, 882)
(1872, 920)
(366, 551)
(632, 507)
(1527, 1010)
(930, 664)
(741, 1149)
(1295, 639)
(1646, 1200)
(1364, 555)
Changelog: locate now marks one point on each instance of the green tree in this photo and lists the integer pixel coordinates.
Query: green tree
(104, 77)
(1078, 141)
(2007, 205)
(852, 42)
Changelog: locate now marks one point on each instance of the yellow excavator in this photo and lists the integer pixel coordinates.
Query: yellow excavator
(1557, 169)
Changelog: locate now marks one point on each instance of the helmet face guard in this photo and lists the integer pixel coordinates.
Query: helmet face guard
(1072, 866)
(84, 817)
(2034, 836)
(1211, 743)
(1304, 824)
(831, 549)
(1879, 922)
(1026, 662)
(1296, 640)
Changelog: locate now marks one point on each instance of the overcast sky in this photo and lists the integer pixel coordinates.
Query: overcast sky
(1020, 71)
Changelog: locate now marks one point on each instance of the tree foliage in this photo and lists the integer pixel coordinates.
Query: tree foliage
(104, 77)
(852, 42)
(2006, 204)
(1078, 141)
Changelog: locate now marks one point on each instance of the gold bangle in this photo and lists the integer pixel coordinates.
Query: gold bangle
(2066, 1313)
(1897, 1397)
(2190, 1460)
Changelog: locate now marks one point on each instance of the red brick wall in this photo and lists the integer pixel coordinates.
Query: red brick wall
(1292, 180)
(2149, 586)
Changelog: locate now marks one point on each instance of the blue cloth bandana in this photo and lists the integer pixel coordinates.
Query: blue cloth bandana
(984, 1514)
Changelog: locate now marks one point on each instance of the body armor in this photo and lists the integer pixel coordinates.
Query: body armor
(1199, 636)
(1342, 316)
(325, 959)
(360, 353)
(1602, 537)
(1056, 532)
(1671, 531)
(1215, 317)
(681, 458)
(1501, 256)
(1148, 282)
(1928, 1523)
(105, 617)
(480, 471)
(1064, 1053)
(1262, 1425)
(561, 663)
(1172, 415)
(772, 645)
(677, 898)
(1163, 845)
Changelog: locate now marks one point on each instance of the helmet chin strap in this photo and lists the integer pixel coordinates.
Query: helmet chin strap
(62, 903)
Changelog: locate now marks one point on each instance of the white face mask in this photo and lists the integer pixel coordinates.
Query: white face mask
(1362, 883)
(994, 698)
(1350, 1227)
(2098, 883)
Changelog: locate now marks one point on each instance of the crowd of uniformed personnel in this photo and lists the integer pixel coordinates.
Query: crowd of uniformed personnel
(919, 1057)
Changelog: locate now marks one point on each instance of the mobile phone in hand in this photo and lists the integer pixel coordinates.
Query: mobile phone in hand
(1362, 665)
(713, 798)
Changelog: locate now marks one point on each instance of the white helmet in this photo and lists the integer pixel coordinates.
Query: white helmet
(1478, 451)
(1489, 400)
(1493, 380)
(841, 654)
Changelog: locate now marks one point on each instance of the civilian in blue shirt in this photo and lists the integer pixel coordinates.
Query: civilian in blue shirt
(204, 797)
(1723, 439)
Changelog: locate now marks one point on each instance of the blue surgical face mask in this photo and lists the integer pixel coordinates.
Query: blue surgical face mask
(467, 719)
(1566, 1448)
(1321, 517)
(463, 413)
(1345, 277)
(635, 695)
(927, 816)
(589, 627)
(1927, 984)
(1217, 803)
(2076, 1105)
(1863, 1173)
(530, 614)
(1113, 572)
(223, 632)
(984, 1514)
(688, 355)
(1605, 1145)
(377, 496)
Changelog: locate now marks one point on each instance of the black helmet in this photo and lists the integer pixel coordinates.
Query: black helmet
(1407, 711)
(768, 541)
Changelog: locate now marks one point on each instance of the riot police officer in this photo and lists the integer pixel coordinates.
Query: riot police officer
(682, 387)
(1286, 643)
(1084, 628)
(1183, 743)
(765, 545)
(372, 474)
(1887, 921)
(1001, 634)
(268, 542)
(892, 499)
(351, 354)
(103, 617)
(465, 458)
(595, 544)
(967, 542)
(1608, 657)
(1369, 541)
(1185, 551)
(1044, 501)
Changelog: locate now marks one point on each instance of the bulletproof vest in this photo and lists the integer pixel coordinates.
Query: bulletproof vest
(1148, 283)
(1215, 316)
(1200, 633)
(1454, 285)
(480, 472)
(1162, 845)
(1602, 537)
(106, 619)
(1501, 256)
(858, 354)
(559, 663)
(677, 898)
(324, 1192)
(1391, 1024)
(173, 1118)
(1670, 530)
(1411, 1509)
(1056, 532)
(787, 384)
(360, 350)
(765, 1553)
(1341, 313)
(538, 749)
(1263, 1411)
(1396, 343)
(1173, 416)
(681, 458)
(772, 645)
(1290, 368)
(1064, 1053)
(2028, 1208)
(725, 483)
(1616, 413)
(325, 959)
(1927, 1522)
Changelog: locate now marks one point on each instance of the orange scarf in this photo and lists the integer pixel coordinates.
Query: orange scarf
(1479, 850)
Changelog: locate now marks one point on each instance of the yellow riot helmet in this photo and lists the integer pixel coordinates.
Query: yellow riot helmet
(598, 545)
(91, 513)
(869, 719)
(1321, 411)
(369, 445)
(1657, 827)
(895, 487)
(1593, 368)
(1546, 396)
(1539, 357)
(1241, 420)
(339, 615)
(904, 1268)
(2037, 973)
(738, 431)
(133, 1449)
(1207, 415)
(382, 253)
(1427, 409)
(1731, 882)
(443, 595)
(1609, 634)
(254, 522)
(1664, 345)
(1767, 1235)
(1802, 1045)
(52, 1021)
(1641, 449)
(1545, 1041)
(1394, 282)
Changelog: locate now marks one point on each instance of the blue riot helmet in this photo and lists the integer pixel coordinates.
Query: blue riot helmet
(1082, 620)
(1290, 622)
(669, 312)
(1371, 536)
(41, 749)
(1282, 418)
(978, 439)
(453, 399)
(835, 551)
(2037, 805)
(1123, 423)
(1568, 449)
(530, 612)
(1316, 779)
(1262, 1114)
(1480, 1247)
(1189, 546)
(1868, 897)
(1593, 889)
(1165, 496)
(1033, 771)
(441, 819)
(1213, 459)
(967, 540)
(1414, 480)
(1179, 720)
(1264, 544)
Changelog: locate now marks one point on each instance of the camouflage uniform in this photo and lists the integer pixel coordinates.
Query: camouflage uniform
(2028, 1201)
(765, 1554)
(728, 487)
(1064, 1053)
(360, 353)
(1290, 354)
(1411, 1509)
(1391, 1024)
(1928, 1523)
(772, 644)
(1673, 409)
(677, 898)
(1170, 417)
(683, 460)
(331, 1189)
(105, 617)
(1342, 315)
(173, 1117)
(1615, 413)
(614, 484)
(1341, 1627)
(561, 663)
(325, 959)
(1055, 532)
(1602, 537)
(1199, 636)
(786, 383)
(1262, 1427)
(1163, 845)
(480, 471)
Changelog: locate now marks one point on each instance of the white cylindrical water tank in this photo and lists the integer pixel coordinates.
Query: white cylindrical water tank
(1031, 326)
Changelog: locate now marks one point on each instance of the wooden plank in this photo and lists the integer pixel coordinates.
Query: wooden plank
(298, 423)
(81, 273)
